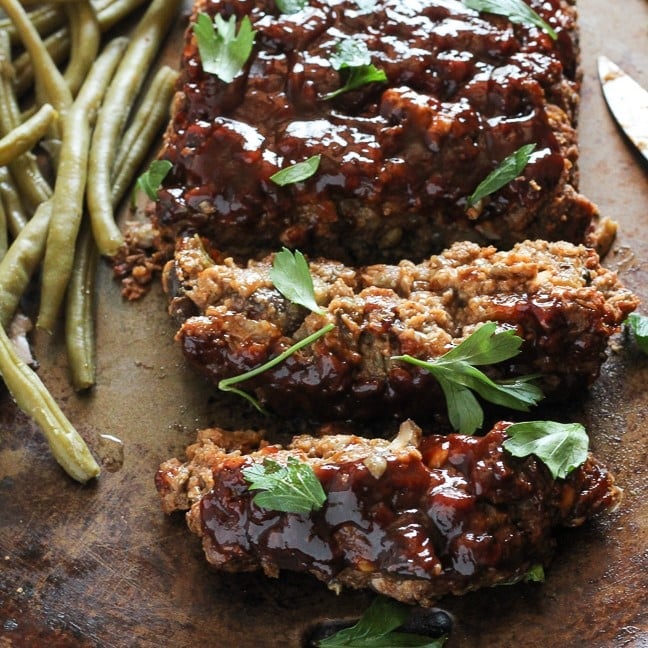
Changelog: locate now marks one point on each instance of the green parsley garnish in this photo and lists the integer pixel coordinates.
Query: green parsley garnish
(509, 169)
(297, 172)
(517, 11)
(293, 488)
(291, 6)
(562, 447)
(638, 324)
(457, 373)
(291, 277)
(352, 56)
(149, 182)
(376, 629)
(222, 51)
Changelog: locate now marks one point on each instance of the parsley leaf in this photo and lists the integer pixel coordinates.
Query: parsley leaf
(509, 169)
(562, 447)
(639, 326)
(458, 376)
(297, 172)
(375, 629)
(352, 56)
(149, 182)
(517, 11)
(293, 488)
(292, 278)
(291, 6)
(222, 51)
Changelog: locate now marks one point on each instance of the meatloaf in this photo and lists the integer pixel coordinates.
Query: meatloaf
(555, 296)
(399, 158)
(414, 519)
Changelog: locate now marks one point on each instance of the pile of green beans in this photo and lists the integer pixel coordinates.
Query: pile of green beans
(93, 124)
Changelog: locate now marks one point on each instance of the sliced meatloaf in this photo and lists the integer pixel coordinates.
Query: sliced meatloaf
(556, 296)
(399, 158)
(414, 519)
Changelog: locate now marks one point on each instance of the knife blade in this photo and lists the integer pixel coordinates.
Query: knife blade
(627, 101)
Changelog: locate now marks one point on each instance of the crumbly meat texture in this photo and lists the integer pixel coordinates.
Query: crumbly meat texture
(398, 158)
(415, 518)
(555, 296)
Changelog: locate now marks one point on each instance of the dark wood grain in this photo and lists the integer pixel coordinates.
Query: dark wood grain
(102, 566)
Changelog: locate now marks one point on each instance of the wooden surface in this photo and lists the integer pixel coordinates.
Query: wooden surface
(102, 566)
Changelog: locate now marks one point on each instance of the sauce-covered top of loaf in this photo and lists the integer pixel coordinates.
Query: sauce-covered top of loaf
(463, 90)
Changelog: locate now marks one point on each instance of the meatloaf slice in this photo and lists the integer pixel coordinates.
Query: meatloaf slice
(398, 158)
(415, 519)
(556, 296)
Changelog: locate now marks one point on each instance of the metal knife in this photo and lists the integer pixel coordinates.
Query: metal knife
(627, 101)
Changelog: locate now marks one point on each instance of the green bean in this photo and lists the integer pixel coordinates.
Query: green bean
(21, 261)
(58, 43)
(45, 19)
(16, 217)
(85, 38)
(145, 41)
(4, 243)
(31, 395)
(67, 202)
(50, 84)
(116, 11)
(26, 174)
(22, 139)
(58, 46)
(149, 120)
(79, 316)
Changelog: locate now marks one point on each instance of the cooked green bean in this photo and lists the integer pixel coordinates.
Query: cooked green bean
(31, 395)
(117, 10)
(58, 43)
(26, 174)
(22, 260)
(147, 123)
(58, 46)
(67, 202)
(27, 135)
(14, 210)
(85, 37)
(79, 315)
(4, 242)
(50, 84)
(45, 19)
(146, 39)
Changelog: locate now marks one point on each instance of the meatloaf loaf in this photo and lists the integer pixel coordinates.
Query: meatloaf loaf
(399, 158)
(415, 519)
(555, 296)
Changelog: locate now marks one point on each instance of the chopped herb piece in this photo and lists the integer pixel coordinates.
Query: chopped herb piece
(292, 278)
(639, 326)
(291, 6)
(149, 182)
(353, 57)
(509, 169)
(458, 376)
(562, 447)
(222, 51)
(517, 11)
(293, 488)
(297, 172)
(375, 629)
(535, 575)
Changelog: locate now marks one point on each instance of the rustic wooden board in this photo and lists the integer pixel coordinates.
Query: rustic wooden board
(102, 566)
